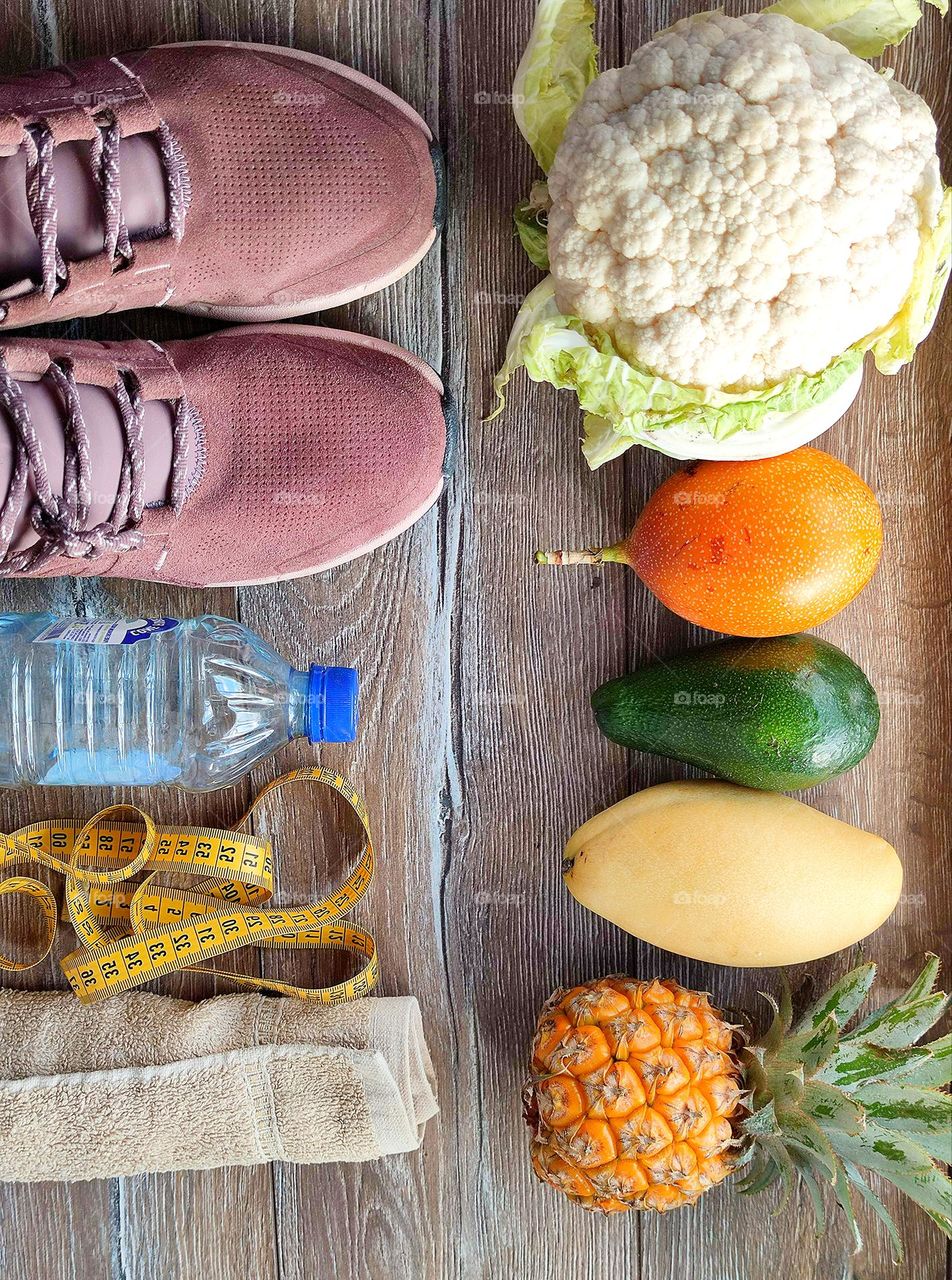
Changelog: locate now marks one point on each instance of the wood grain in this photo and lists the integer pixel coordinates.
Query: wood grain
(477, 752)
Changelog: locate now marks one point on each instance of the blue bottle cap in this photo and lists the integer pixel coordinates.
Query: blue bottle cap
(331, 704)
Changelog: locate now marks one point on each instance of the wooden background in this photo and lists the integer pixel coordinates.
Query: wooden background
(477, 751)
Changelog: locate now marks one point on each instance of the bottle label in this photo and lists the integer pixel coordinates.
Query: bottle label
(104, 631)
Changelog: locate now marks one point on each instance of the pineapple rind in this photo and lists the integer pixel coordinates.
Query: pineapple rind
(634, 1093)
(823, 1105)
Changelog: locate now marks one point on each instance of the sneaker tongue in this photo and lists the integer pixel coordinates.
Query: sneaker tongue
(79, 213)
(104, 429)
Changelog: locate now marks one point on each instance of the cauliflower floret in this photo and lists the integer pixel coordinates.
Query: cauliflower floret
(742, 202)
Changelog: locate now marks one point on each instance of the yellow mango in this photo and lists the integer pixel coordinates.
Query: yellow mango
(732, 876)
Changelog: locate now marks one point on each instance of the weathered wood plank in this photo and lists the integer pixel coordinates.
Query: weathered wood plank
(526, 763)
(384, 613)
(477, 753)
(898, 631)
(163, 1225)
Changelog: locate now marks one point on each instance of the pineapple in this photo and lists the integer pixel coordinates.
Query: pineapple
(642, 1096)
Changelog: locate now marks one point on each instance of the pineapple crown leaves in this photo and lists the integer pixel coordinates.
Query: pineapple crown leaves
(829, 1105)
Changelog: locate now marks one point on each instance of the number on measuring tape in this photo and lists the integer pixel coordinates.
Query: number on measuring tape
(133, 932)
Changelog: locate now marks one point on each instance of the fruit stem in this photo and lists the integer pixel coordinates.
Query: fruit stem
(593, 555)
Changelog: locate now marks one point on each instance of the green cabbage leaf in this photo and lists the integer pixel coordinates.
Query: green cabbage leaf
(895, 345)
(865, 27)
(560, 61)
(625, 404)
(531, 219)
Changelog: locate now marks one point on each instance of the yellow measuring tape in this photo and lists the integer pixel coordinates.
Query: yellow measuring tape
(134, 931)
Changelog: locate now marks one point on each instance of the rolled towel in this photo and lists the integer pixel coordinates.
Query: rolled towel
(145, 1084)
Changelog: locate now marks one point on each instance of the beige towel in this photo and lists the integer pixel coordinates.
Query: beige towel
(143, 1083)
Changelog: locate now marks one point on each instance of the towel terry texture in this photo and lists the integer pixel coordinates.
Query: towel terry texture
(144, 1084)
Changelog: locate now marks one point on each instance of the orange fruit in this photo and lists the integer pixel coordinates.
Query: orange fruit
(763, 548)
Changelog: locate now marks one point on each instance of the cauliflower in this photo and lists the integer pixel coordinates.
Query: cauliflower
(731, 221)
(724, 205)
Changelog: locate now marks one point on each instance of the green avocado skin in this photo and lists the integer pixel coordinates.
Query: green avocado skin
(778, 714)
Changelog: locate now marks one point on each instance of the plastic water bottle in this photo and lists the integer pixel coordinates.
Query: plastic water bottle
(140, 701)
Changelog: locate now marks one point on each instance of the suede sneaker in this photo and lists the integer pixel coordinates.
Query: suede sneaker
(241, 181)
(253, 455)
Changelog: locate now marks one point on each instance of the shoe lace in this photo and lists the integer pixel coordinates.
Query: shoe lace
(41, 194)
(59, 521)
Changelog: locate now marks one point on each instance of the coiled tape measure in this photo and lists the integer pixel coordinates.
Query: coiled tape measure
(134, 931)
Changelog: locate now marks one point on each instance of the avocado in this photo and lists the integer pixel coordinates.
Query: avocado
(777, 714)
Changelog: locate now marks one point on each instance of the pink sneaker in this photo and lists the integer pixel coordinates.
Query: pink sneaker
(241, 181)
(253, 455)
